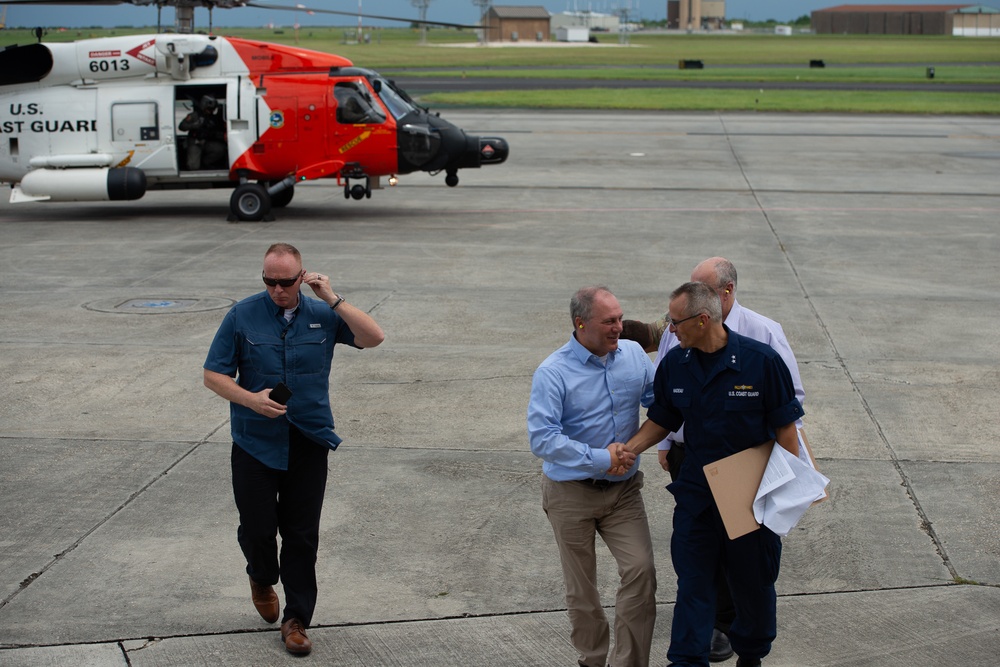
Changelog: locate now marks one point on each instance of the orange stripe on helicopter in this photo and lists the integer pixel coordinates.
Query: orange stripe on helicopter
(355, 141)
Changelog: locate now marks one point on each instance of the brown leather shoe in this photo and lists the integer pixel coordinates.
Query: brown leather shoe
(265, 600)
(294, 636)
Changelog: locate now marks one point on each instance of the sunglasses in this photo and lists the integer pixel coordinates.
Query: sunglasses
(274, 282)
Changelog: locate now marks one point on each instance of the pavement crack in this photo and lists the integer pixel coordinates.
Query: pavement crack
(31, 577)
(925, 522)
(94, 528)
(151, 641)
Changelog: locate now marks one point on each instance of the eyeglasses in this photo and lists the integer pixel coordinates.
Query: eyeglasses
(677, 323)
(274, 282)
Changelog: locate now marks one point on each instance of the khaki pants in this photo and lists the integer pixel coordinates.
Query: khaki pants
(578, 511)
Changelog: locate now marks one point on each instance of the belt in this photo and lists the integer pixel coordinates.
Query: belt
(601, 483)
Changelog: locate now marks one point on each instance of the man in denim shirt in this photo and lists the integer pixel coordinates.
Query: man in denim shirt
(585, 396)
(279, 456)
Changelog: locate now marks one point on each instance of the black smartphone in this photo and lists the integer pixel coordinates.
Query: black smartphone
(280, 393)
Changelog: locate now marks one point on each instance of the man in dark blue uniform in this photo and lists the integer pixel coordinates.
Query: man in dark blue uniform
(731, 393)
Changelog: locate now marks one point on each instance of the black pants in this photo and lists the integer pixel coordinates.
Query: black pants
(285, 502)
(725, 612)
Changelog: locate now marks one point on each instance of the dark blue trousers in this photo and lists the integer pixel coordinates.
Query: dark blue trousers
(285, 502)
(698, 546)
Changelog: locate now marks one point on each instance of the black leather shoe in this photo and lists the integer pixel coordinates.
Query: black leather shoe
(748, 662)
(721, 649)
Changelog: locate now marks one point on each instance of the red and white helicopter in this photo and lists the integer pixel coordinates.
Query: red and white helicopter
(98, 119)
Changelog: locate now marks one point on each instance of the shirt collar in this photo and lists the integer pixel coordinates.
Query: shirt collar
(731, 352)
(279, 311)
(734, 313)
(583, 354)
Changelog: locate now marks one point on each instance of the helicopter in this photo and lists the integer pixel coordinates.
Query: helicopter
(99, 120)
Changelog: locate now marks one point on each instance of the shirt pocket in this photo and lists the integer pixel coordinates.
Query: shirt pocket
(308, 354)
(634, 384)
(744, 403)
(264, 353)
(680, 399)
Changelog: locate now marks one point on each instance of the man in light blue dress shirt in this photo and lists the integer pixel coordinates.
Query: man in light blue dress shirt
(585, 396)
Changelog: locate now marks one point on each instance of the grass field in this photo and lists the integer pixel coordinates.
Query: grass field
(714, 99)
(747, 58)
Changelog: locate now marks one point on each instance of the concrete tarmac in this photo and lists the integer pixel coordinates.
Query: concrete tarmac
(874, 240)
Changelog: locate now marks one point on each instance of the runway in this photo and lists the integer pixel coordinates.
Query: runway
(423, 80)
(874, 240)
(444, 84)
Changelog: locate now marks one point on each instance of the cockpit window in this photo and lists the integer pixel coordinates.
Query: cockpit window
(355, 105)
(397, 104)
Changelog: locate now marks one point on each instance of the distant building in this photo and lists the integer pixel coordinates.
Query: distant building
(965, 20)
(512, 24)
(976, 21)
(594, 21)
(696, 14)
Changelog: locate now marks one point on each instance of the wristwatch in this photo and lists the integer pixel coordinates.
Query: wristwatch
(336, 303)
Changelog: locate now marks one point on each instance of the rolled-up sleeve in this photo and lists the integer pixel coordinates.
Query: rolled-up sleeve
(782, 407)
(546, 433)
(663, 412)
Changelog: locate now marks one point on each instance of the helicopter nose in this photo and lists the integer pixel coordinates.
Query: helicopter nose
(493, 150)
(430, 143)
(471, 152)
(474, 152)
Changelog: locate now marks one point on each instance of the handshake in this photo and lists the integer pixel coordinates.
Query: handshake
(622, 458)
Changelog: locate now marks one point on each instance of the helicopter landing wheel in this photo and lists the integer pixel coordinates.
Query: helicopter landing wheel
(250, 202)
(451, 180)
(283, 198)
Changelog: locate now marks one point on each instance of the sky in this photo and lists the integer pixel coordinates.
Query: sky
(457, 11)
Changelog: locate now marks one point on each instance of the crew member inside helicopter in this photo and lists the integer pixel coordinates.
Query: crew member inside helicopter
(353, 107)
(206, 139)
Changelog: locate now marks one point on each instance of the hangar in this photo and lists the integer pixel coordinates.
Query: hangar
(963, 20)
(511, 24)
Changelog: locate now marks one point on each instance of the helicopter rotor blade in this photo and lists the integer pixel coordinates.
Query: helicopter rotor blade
(303, 8)
(235, 4)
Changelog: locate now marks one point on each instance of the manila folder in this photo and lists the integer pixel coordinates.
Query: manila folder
(734, 481)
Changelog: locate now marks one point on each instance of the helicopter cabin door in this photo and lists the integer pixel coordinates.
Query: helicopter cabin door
(201, 118)
(135, 126)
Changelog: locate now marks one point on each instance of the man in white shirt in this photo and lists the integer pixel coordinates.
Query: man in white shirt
(719, 274)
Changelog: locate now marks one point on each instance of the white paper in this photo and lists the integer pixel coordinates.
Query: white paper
(776, 474)
(788, 488)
